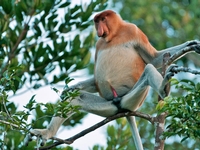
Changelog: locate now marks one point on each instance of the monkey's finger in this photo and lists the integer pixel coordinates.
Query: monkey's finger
(197, 48)
(170, 68)
(40, 141)
(27, 139)
(193, 42)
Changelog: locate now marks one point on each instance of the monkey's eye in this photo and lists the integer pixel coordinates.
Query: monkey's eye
(103, 19)
(96, 21)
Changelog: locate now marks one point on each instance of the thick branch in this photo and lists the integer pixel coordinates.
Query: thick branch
(94, 127)
(159, 141)
(160, 119)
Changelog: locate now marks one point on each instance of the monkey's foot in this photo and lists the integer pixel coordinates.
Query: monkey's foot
(117, 100)
(117, 103)
(195, 44)
(169, 72)
(168, 75)
(42, 136)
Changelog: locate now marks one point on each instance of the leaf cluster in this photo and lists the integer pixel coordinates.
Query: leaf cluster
(119, 135)
(184, 110)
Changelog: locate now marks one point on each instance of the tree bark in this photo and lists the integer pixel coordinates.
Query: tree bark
(160, 119)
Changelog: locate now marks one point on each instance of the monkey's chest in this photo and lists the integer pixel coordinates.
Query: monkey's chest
(119, 68)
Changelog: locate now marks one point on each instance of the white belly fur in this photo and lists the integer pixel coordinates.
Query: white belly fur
(114, 67)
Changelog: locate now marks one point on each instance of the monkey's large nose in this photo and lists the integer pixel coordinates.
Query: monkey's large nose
(100, 32)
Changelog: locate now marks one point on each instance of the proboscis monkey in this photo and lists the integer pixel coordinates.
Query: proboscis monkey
(125, 67)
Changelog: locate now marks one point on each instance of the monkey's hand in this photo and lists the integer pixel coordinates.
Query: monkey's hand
(168, 75)
(195, 45)
(42, 136)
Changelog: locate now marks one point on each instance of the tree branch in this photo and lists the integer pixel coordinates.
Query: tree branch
(185, 69)
(160, 118)
(22, 35)
(94, 127)
(10, 124)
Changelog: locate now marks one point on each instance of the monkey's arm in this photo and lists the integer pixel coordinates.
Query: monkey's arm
(150, 55)
(158, 59)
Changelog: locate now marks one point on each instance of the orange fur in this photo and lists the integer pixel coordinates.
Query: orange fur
(117, 62)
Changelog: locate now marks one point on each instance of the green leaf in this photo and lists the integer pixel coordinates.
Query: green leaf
(31, 103)
(55, 89)
(111, 130)
(18, 12)
(75, 9)
(38, 30)
(7, 6)
(160, 105)
(174, 81)
(185, 138)
(65, 4)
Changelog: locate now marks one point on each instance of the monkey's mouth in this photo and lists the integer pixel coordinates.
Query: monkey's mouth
(104, 35)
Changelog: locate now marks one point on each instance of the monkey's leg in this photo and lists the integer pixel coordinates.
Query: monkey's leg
(95, 104)
(44, 134)
(150, 77)
(134, 99)
(87, 102)
(102, 107)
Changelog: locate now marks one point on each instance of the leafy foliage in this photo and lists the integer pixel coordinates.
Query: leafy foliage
(184, 111)
(119, 136)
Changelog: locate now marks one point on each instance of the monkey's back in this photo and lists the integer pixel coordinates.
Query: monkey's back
(118, 67)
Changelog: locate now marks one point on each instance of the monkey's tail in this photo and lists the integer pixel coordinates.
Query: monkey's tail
(135, 133)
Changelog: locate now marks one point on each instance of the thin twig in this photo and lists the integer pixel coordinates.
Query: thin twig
(10, 124)
(21, 37)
